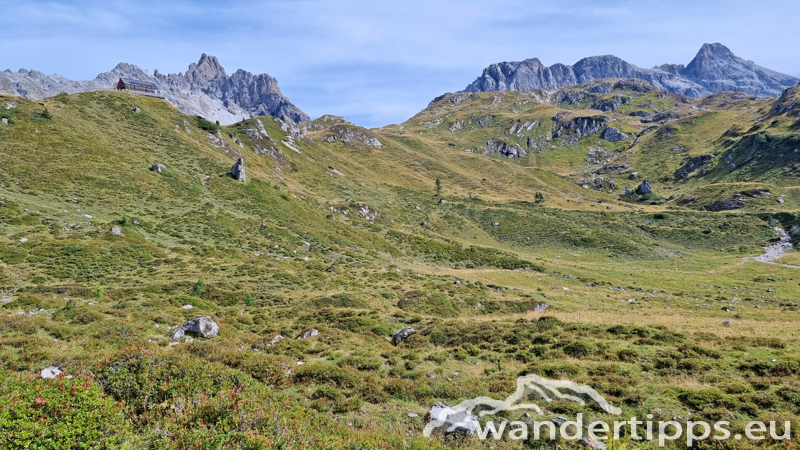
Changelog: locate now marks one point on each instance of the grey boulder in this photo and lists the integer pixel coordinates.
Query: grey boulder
(309, 333)
(453, 421)
(237, 170)
(644, 188)
(402, 335)
(199, 326)
(51, 372)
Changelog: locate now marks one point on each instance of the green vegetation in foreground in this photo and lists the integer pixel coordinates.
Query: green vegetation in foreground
(350, 240)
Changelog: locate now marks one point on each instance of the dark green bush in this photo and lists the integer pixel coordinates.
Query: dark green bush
(207, 125)
(199, 288)
(341, 301)
(62, 413)
(145, 381)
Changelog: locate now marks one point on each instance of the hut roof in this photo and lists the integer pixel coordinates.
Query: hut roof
(140, 83)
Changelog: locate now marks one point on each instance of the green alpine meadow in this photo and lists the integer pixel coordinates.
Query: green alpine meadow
(190, 261)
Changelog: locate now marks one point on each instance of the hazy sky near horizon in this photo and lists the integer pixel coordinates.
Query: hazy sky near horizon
(378, 62)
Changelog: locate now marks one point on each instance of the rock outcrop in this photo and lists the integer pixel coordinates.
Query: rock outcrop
(204, 90)
(495, 147)
(693, 165)
(347, 135)
(789, 102)
(582, 126)
(614, 135)
(237, 170)
(714, 69)
(644, 188)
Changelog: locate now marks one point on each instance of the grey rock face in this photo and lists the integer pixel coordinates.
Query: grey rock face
(714, 69)
(495, 147)
(199, 326)
(644, 188)
(402, 335)
(693, 165)
(456, 99)
(789, 102)
(540, 307)
(346, 134)
(660, 117)
(613, 135)
(627, 191)
(609, 104)
(582, 126)
(205, 90)
(309, 333)
(727, 204)
(598, 156)
(237, 170)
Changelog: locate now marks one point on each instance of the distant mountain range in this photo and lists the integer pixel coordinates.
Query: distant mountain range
(205, 89)
(714, 69)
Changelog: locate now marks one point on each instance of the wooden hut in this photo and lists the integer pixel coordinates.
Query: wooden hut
(136, 86)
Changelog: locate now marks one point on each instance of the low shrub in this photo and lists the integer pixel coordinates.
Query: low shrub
(62, 413)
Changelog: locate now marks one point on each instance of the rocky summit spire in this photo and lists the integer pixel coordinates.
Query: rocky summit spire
(718, 69)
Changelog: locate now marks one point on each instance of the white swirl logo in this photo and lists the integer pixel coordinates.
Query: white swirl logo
(463, 418)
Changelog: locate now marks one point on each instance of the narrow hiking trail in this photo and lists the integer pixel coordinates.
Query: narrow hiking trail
(775, 251)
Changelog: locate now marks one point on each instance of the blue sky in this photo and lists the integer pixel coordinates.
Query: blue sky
(378, 62)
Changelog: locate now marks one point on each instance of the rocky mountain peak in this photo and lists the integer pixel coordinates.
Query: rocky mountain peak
(207, 69)
(210, 64)
(204, 89)
(714, 69)
(718, 69)
(708, 60)
(715, 49)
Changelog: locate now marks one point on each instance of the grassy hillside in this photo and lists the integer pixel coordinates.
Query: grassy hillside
(339, 228)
